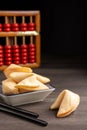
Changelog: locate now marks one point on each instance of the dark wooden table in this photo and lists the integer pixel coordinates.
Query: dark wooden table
(74, 79)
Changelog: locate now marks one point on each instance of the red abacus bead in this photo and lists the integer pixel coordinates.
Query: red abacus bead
(8, 58)
(16, 55)
(32, 60)
(23, 46)
(1, 59)
(31, 45)
(8, 51)
(31, 25)
(24, 61)
(7, 29)
(31, 57)
(7, 47)
(7, 25)
(1, 55)
(8, 62)
(23, 27)
(24, 58)
(1, 63)
(24, 54)
(32, 53)
(32, 50)
(1, 47)
(31, 29)
(15, 51)
(0, 29)
(16, 62)
(15, 29)
(0, 25)
(16, 58)
(15, 25)
(23, 50)
(1, 51)
(8, 54)
(15, 47)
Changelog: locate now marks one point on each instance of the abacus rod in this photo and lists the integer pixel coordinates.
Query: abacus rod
(14, 19)
(23, 38)
(31, 39)
(6, 40)
(23, 19)
(31, 19)
(6, 19)
(15, 40)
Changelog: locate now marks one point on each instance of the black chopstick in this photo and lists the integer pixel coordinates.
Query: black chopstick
(29, 118)
(33, 114)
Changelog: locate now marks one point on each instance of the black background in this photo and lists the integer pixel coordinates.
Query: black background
(63, 24)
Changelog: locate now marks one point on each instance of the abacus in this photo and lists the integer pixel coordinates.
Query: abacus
(19, 38)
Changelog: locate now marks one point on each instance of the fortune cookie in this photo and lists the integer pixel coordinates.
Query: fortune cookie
(66, 103)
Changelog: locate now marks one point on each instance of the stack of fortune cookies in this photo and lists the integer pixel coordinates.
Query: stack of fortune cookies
(22, 79)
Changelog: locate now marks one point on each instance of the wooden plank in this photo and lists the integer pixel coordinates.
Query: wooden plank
(19, 33)
(18, 13)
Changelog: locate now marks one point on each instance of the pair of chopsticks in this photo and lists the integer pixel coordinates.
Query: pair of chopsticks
(25, 114)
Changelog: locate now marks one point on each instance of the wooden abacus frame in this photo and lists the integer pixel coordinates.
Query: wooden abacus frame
(35, 33)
